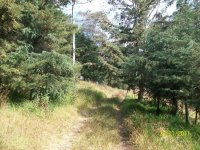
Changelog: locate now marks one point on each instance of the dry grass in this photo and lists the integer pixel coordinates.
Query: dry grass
(145, 128)
(26, 127)
(141, 140)
(107, 90)
(101, 131)
(21, 130)
(3, 96)
(144, 141)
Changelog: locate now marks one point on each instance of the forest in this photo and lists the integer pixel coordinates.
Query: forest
(87, 81)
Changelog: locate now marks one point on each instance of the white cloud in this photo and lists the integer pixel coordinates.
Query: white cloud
(93, 6)
(102, 5)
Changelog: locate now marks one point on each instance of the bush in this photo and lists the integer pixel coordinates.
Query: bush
(39, 74)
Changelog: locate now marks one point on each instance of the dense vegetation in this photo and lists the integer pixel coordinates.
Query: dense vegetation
(35, 40)
(167, 67)
(143, 50)
(158, 57)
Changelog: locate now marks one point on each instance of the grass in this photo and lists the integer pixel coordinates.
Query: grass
(31, 125)
(25, 125)
(24, 129)
(145, 128)
(101, 131)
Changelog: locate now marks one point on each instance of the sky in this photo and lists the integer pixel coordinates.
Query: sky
(94, 6)
(102, 5)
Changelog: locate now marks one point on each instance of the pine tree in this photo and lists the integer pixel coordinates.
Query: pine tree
(134, 20)
(101, 58)
(35, 38)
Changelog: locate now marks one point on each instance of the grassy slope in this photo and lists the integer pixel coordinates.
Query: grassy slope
(101, 131)
(23, 129)
(28, 127)
(145, 128)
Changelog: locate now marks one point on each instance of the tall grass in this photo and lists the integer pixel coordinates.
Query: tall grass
(36, 125)
(41, 125)
(33, 126)
(145, 128)
(101, 131)
(3, 96)
(22, 129)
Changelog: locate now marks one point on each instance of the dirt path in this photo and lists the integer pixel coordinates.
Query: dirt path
(123, 145)
(67, 139)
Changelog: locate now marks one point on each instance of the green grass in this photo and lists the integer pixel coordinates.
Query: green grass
(145, 128)
(32, 125)
(35, 125)
(40, 125)
(101, 131)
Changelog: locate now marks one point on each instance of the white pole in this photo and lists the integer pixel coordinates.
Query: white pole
(74, 35)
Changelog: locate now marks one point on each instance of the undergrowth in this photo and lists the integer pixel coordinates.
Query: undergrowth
(41, 124)
(150, 131)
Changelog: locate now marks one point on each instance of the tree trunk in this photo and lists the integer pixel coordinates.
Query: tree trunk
(158, 106)
(141, 90)
(186, 113)
(140, 94)
(196, 115)
(31, 95)
(175, 106)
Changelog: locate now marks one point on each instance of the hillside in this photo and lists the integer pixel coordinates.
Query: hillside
(28, 125)
(96, 119)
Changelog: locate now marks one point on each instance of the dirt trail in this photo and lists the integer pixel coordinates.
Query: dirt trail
(67, 139)
(123, 145)
(71, 136)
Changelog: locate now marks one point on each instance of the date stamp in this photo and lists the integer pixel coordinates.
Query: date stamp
(179, 133)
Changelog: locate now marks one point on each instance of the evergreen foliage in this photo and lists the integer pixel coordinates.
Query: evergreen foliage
(161, 54)
(34, 44)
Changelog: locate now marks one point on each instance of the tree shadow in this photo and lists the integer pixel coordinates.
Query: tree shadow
(17, 99)
(100, 106)
(130, 105)
(147, 110)
(92, 95)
